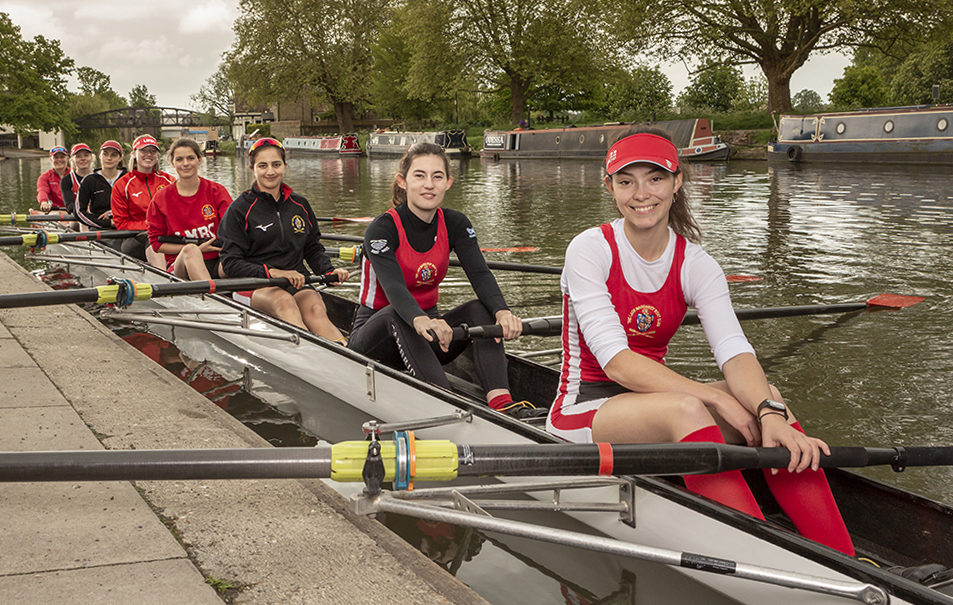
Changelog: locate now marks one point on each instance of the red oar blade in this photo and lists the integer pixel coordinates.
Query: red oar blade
(513, 249)
(895, 301)
(741, 278)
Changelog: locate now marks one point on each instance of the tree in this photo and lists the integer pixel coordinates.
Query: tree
(526, 47)
(715, 87)
(808, 101)
(217, 96)
(638, 94)
(305, 50)
(415, 76)
(32, 81)
(139, 97)
(912, 82)
(95, 84)
(777, 35)
(752, 95)
(860, 87)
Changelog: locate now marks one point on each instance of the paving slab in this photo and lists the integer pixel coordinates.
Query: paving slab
(28, 387)
(283, 541)
(167, 583)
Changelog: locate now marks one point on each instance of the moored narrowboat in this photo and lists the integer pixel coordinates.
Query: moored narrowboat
(392, 143)
(342, 144)
(694, 139)
(899, 135)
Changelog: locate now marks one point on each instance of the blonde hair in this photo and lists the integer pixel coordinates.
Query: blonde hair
(92, 161)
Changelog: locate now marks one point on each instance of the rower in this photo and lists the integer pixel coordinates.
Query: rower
(132, 194)
(626, 287)
(407, 253)
(93, 202)
(48, 193)
(81, 162)
(270, 231)
(191, 207)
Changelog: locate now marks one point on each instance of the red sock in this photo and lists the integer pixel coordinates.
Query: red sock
(501, 401)
(728, 488)
(807, 500)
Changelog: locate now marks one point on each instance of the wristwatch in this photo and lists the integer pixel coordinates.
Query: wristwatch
(773, 407)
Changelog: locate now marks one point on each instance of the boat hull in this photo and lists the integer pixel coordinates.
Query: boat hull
(666, 516)
(344, 145)
(907, 135)
(395, 144)
(694, 139)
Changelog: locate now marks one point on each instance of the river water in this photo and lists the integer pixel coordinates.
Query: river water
(812, 234)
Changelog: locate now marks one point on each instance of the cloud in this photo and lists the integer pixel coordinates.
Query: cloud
(208, 17)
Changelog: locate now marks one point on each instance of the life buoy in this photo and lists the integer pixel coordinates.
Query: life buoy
(794, 153)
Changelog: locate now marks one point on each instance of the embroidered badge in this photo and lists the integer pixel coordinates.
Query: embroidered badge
(378, 246)
(426, 273)
(297, 223)
(646, 318)
(472, 232)
(208, 213)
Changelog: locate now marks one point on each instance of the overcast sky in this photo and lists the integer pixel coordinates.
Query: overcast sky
(173, 46)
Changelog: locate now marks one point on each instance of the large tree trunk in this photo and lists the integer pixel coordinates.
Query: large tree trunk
(344, 110)
(518, 88)
(779, 88)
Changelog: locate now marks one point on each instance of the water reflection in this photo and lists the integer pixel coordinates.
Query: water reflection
(813, 234)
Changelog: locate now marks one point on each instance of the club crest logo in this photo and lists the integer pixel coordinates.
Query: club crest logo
(208, 213)
(297, 223)
(646, 320)
(379, 246)
(472, 232)
(426, 273)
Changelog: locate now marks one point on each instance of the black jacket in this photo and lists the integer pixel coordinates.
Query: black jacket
(95, 195)
(259, 233)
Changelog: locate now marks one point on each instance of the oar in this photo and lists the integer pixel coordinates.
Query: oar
(336, 219)
(123, 292)
(350, 254)
(456, 263)
(552, 326)
(435, 461)
(55, 237)
(13, 218)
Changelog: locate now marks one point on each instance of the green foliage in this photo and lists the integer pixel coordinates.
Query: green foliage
(861, 86)
(932, 63)
(808, 101)
(139, 97)
(415, 77)
(216, 97)
(777, 35)
(715, 86)
(752, 95)
(305, 50)
(547, 53)
(32, 81)
(264, 130)
(638, 94)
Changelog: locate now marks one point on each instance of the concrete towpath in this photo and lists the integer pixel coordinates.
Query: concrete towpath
(68, 383)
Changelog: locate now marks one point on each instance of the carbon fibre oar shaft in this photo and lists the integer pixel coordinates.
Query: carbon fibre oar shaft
(55, 237)
(434, 461)
(114, 293)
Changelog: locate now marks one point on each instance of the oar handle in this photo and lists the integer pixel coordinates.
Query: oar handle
(539, 326)
(178, 239)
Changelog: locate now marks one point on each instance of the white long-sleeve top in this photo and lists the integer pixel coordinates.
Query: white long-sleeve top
(588, 259)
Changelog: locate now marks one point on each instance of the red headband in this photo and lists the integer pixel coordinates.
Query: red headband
(642, 147)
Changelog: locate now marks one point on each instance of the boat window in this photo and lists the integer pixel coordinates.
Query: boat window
(582, 138)
(557, 139)
(888, 127)
(602, 138)
(942, 124)
(841, 128)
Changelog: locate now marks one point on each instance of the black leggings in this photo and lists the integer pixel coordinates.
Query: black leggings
(136, 246)
(386, 337)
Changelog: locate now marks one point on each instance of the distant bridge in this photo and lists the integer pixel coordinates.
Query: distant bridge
(132, 121)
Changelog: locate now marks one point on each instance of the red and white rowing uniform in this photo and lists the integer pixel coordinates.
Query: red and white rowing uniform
(423, 271)
(196, 216)
(614, 300)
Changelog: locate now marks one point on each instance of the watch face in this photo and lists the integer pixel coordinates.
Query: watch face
(775, 405)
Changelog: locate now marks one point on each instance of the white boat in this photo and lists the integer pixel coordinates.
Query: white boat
(394, 144)
(887, 524)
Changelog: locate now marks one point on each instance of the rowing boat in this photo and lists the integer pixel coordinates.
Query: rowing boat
(888, 525)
